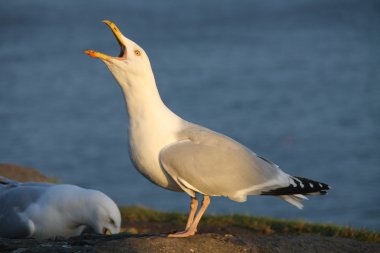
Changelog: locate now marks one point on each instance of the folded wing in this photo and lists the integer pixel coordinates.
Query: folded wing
(213, 164)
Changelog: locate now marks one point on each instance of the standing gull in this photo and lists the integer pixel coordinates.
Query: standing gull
(43, 210)
(181, 156)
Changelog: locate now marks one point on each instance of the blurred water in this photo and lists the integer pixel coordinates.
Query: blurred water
(296, 81)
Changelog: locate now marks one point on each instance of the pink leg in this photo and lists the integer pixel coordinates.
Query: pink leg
(193, 209)
(193, 227)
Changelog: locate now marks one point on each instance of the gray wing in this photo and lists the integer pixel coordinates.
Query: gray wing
(14, 199)
(214, 164)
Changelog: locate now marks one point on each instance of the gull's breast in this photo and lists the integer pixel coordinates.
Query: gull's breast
(145, 147)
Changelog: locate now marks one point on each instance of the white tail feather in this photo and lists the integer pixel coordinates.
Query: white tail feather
(294, 199)
(300, 196)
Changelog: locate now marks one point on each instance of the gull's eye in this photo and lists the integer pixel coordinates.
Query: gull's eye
(112, 221)
(137, 52)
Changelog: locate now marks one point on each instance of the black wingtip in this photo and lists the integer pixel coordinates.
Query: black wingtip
(300, 185)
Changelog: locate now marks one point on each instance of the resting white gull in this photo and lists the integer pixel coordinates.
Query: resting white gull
(43, 210)
(181, 156)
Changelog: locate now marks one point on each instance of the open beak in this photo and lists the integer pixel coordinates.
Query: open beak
(119, 38)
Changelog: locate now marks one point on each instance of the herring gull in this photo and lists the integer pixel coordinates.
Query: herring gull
(44, 210)
(181, 156)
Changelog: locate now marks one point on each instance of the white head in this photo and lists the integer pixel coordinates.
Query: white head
(132, 66)
(104, 214)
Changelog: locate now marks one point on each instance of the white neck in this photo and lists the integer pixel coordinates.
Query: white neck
(144, 102)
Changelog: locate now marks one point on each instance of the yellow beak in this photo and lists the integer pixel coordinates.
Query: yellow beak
(106, 231)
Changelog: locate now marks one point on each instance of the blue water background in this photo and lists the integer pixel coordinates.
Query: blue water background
(296, 81)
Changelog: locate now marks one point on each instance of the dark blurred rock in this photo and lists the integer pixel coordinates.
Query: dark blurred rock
(208, 242)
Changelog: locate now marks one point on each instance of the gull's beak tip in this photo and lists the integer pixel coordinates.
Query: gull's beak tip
(90, 53)
(107, 22)
(97, 55)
